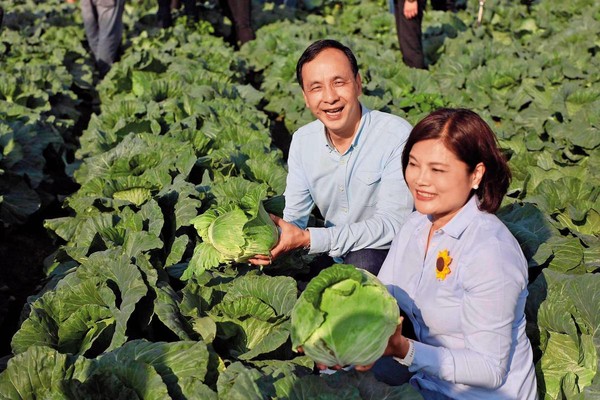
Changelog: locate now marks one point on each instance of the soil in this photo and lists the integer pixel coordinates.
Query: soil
(22, 252)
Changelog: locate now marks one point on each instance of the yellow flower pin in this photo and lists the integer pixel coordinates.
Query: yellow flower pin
(442, 265)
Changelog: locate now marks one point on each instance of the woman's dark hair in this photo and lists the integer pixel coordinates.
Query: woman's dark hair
(316, 48)
(466, 135)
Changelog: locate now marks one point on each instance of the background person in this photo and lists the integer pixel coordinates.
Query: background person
(457, 271)
(164, 16)
(346, 163)
(238, 11)
(409, 19)
(103, 23)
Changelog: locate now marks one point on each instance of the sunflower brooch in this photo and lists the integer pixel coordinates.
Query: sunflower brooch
(442, 265)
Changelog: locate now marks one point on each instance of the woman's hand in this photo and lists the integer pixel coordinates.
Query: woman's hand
(397, 347)
(290, 238)
(411, 9)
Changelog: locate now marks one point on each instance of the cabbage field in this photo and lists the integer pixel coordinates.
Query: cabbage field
(186, 122)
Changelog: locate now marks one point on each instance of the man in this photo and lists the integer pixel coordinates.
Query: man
(103, 23)
(347, 163)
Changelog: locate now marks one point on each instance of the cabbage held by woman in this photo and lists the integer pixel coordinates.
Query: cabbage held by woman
(345, 316)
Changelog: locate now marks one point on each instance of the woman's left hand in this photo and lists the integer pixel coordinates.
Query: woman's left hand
(397, 347)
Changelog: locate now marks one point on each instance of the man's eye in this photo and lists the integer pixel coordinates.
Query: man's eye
(338, 83)
(438, 170)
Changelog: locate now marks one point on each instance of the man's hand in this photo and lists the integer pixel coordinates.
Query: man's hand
(411, 9)
(290, 238)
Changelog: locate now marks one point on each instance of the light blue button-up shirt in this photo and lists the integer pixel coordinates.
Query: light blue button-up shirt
(470, 326)
(361, 194)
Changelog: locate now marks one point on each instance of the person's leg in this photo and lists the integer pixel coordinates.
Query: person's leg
(164, 18)
(90, 24)
(240, 11)
(110, 32)
(190, 9)
(409, 35)
(367, 259)
(444, 5)
(451, 6)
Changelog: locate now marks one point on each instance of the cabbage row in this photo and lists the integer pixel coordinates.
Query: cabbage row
(185, 125)
(45, 71)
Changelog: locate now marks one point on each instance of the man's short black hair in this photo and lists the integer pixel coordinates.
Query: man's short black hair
(316, 48)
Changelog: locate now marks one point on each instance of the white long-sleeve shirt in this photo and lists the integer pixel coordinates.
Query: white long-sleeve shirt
(361, 193)
(470, 326)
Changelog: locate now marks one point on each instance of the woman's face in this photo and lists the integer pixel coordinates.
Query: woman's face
(439, 182)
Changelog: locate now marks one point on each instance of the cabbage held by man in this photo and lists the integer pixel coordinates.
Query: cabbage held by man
(233, 231)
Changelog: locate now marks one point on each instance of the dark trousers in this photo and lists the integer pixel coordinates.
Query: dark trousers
(164, 17)
(367, 259)
(239, 12)
(409, 35)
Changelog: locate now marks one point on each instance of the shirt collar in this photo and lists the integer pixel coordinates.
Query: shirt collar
(363, 121)
(463, 218)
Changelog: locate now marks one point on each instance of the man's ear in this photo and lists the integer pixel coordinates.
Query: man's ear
(305, 99)
(359, 82)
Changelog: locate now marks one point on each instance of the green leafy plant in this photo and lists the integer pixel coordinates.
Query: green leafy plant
(234, 231)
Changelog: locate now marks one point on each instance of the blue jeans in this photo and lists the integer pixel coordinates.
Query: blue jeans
(367, 259)
(103, 23)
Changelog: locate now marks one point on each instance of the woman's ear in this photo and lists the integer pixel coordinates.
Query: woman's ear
(477, 175)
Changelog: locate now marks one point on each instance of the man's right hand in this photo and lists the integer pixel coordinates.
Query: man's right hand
(290, 238)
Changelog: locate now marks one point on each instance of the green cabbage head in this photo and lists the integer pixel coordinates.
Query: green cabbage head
(232, 232)
(345, 316)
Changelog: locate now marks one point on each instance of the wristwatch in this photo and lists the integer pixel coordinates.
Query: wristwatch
(410, 355)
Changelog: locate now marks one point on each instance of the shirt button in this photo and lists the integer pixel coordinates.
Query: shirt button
(341, 188)
(344, 210)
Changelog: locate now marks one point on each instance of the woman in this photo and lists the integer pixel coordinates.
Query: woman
(456, 270)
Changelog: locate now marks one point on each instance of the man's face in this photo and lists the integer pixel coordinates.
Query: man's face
(331, 92)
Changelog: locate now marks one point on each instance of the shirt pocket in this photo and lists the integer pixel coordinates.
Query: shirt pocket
(368, 185)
